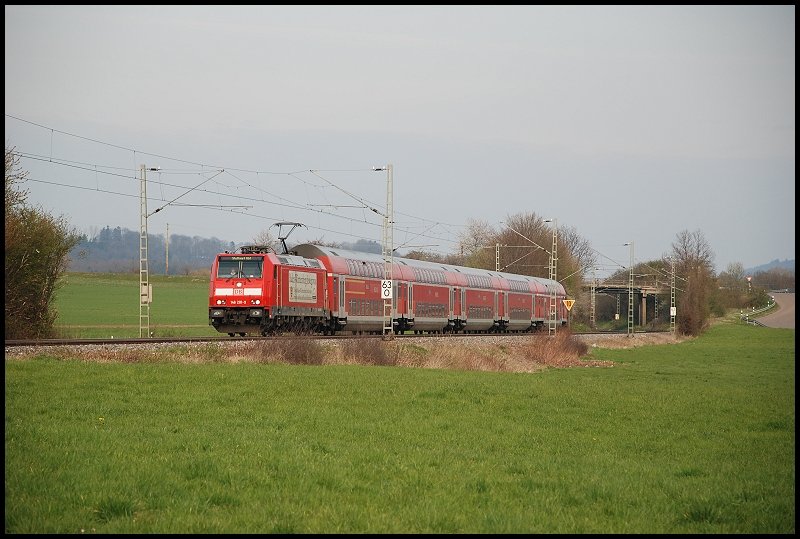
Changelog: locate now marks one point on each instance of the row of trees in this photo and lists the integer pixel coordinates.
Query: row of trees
(116, 250)
(526, 240)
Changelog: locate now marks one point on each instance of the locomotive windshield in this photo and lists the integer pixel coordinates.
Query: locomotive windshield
(239, 266)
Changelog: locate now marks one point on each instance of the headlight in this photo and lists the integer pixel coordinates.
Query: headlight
(256, 302)
(220, 302)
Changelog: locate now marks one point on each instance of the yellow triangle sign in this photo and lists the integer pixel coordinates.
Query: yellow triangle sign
(568, 303)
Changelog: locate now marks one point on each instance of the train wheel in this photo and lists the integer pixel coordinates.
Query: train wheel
(242, 334)
(231, 334)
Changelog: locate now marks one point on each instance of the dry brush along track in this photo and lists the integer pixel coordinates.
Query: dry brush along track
(180, 340)
(589, 337)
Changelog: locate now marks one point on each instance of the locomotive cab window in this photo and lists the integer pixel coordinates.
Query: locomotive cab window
(232, 268)
(227, 268)
(251, 269)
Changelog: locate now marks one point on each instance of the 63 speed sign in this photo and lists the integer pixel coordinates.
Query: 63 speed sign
(386, 289)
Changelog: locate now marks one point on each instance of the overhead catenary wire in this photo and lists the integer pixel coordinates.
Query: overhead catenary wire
(286, 203)
(186, 193)
(437, 232)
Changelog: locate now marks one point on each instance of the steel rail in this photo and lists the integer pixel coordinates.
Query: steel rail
(191, 340)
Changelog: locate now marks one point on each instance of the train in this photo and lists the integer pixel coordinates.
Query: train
(326, 290)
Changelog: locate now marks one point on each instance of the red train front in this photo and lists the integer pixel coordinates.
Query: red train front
(256, 291)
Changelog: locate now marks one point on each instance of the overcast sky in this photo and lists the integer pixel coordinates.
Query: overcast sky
(625, 123)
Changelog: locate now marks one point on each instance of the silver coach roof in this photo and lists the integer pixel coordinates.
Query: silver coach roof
(313, 251)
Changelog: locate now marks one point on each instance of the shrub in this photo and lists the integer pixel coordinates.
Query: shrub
(294, 348)
(367, 352)
(561, 350)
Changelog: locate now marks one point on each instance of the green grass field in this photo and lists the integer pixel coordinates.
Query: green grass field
(94, 305)
(697, 437)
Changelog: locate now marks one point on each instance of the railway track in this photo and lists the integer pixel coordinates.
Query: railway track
(10, 343)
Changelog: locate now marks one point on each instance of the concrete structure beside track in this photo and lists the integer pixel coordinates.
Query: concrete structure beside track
(641, 290)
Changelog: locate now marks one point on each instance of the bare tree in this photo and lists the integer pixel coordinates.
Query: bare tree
(580, 256)
(576, 257)
(529, 242)
(428, 256)
(471, 243)
(731, 289)
(265, 238)
(692, 249)
(694, 261)
(324, 243)
(525, 241)
(735, 272)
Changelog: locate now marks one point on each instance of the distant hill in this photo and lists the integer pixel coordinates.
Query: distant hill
(785, 264)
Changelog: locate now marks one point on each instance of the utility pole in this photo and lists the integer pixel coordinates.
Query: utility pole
(144, 273)
(672, 310)
(553, 274)
(592, 321)
(387, 287)
(166, 262)
(630, 293)
(655, 304)
(145, 288)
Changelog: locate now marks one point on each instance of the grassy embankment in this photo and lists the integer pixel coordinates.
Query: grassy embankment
(697, 437)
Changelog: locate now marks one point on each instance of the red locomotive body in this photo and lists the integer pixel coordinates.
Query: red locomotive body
(259, 292)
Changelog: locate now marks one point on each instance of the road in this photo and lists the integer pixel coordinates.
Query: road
(783, 317)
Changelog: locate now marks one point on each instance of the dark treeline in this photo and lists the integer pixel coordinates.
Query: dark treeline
(778, 278)
(116, 250)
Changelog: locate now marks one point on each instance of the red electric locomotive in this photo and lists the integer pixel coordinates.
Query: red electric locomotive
(327, 290)
(258, 291)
